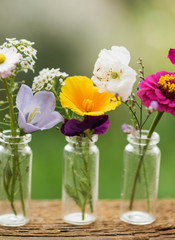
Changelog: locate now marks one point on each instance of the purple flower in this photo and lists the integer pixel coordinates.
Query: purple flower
(36, 112)
(75, 127)
(171, 55)
(154, 105)
(127, 129)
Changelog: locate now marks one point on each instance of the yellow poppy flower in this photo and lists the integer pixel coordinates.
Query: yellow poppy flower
(80, 95)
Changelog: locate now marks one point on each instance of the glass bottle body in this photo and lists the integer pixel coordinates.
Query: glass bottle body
(80, 180)
(15, 179)
(140, 179)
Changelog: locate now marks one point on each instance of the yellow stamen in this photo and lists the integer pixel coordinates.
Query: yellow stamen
(88, 105)
(33, 114)
(2, 58)
(167, 83)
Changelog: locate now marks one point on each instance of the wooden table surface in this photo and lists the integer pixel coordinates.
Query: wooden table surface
(46, 223)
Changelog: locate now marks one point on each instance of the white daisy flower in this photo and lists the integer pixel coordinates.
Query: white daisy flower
(8, 60)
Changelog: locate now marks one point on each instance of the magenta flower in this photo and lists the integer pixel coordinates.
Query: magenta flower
(159, 87)
(171, 55)
(36, 112)
(75, 127)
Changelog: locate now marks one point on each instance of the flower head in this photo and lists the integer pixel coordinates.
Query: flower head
(46, 79)
(96, 124)
(112, 73)
(36, 112)
(28, 53)
(128, 129)
(79, 95)
(171, 55)
(8, 60)
(159, 87)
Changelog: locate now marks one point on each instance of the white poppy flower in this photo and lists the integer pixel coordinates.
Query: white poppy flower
(112, 73)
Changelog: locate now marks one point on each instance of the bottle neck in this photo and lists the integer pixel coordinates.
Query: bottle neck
(7, 139)
(82, 141)
(142, 140)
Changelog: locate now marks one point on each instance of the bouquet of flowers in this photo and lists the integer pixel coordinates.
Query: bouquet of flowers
(83, 106)
(27, 112)
(156, 92)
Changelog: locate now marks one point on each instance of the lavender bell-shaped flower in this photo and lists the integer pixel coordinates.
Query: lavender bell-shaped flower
(36, 112)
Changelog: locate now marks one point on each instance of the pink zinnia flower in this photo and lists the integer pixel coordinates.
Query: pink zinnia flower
(159, 87)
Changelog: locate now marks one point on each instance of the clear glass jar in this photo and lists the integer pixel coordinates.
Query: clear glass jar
(140, 179)
(80, 180)
(15, 179)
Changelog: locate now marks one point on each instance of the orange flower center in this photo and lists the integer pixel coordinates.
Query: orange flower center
(87, 105)
(167, 85)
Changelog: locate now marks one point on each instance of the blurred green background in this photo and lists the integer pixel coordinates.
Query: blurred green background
(70, 34)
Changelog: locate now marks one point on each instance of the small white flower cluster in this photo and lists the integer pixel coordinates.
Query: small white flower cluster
(46, 79)
(26, 50)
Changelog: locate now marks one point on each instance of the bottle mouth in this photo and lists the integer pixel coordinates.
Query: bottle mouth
(82, 140)
(6, 137)
(143, 139)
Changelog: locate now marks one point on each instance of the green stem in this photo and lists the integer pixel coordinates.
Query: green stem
(83, 209)
(21, 188)
(74, 181)
(146, 185)
(89, 180)
(11, 111)
(16, 158)
(156, 120)
(58, 100)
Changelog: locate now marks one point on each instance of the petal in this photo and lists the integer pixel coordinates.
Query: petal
(78, 89)
(72, 127)
(99, 123)
(171, 55)
(49, 120)
(24, 97)
(45, 100)
(27, 127)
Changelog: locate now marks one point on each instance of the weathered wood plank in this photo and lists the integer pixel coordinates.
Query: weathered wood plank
(46, 223)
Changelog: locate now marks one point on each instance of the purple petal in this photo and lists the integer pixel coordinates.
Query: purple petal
(27, 127)
(154, 105)
(50, 120)
(124, 127)
(72, 127)
(171, 55)
(45, 100)
(24, 97)
(75, 127)
(102, 125)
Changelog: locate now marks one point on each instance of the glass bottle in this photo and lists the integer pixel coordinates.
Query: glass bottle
(15, 179)
(80, 180)
(140, 179)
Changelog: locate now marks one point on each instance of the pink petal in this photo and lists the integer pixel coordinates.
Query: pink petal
(171, 55)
